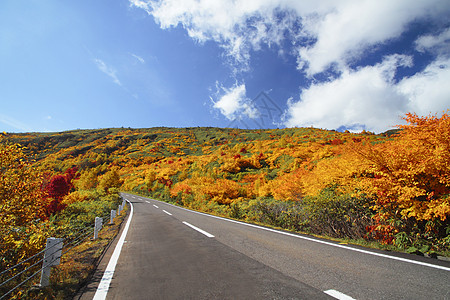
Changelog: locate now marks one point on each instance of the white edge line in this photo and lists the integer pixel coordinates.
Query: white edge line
(167, 212)
(320, 241)
(199, 230)
(103, 286)
(338, 295)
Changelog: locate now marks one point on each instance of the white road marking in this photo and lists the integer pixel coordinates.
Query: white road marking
(155, 205)
(198, 229)
(148, 202)
(103, 286)
(167, 212)
(338, 295)
(321, 241)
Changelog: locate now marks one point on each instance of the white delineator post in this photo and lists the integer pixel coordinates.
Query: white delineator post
(98, 226)
(52, 257)
(113, 215)
(121, 206)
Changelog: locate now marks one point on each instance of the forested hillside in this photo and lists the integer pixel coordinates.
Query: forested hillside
(392, 188)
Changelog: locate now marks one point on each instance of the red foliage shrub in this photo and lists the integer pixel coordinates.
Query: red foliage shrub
(337, 142)
(58, 187)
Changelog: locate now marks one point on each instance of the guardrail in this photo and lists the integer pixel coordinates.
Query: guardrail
(55, 248)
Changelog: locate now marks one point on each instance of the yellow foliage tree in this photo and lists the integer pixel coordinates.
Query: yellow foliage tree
(110, 179)
(22, 205)
(88, 180)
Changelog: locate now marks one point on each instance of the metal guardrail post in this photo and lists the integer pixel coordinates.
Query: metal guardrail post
(52, 257)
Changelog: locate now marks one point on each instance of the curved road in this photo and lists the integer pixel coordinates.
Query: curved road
(174, 253)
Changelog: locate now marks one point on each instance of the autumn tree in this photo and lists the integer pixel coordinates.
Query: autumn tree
(22, 204)
(411, 178)
(58, 187)
(110, 179)
(88, 179)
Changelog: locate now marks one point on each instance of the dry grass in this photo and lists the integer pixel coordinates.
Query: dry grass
(78, 265)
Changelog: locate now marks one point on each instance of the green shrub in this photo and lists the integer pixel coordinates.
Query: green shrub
(335, 214)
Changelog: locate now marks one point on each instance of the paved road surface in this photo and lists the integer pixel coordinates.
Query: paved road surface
(173, 253)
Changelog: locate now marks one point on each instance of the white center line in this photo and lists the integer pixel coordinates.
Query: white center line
(198, 229)
(155, 205)
(147, 201)
(338, 295)
(167, 212)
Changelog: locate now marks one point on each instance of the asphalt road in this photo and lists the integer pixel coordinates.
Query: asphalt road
(173, 253)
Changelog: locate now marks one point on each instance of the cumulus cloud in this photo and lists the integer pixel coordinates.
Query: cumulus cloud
(237, 26)
(365, 96)
(233, 103)
(323, 33)
(428, 91)
(439, 44)
(108, 70)
(369, 96)
(348, 28)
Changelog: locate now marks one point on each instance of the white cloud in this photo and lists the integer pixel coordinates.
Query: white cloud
(238, 26)
(14, 123)
(324, 33)
(369, 96)
(365, 96)
(348, 28)
(108, 70)
(234, 104)
(140, 59)
(428, 91)
(140, 4)
(435, 43)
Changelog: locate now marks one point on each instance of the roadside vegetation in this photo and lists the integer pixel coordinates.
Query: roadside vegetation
(390, 190)
(37, 203)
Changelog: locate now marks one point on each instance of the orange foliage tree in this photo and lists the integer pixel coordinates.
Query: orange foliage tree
(222, 191)
(411, 179)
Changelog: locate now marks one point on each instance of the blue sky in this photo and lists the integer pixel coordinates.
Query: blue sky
(185, 63)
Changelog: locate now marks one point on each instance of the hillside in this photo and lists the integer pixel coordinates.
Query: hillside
(146, 142)
(343, 185)
(88, 148)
